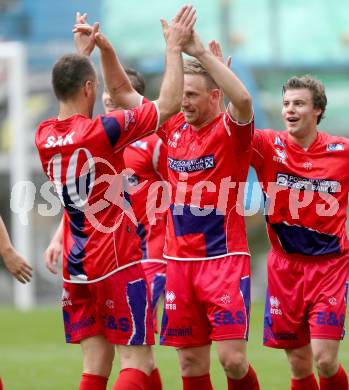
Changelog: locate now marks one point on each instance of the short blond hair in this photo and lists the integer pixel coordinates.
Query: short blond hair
(194, 67)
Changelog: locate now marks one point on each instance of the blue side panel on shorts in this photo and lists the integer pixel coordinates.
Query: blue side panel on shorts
(142, 235)
(66, 319)
(346, 304)
(268, 322)
(164, 324)
(137, 301)
(210, 225)
(245, 290)
(298, 239)
(112, 129)
(158, 289)
(77, 220)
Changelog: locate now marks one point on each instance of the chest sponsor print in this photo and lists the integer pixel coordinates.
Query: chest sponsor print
(303, 183)
(193, 165)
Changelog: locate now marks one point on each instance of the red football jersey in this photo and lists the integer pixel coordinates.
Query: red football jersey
(207, 170)
(306, 192)
(84, 160)
(147, 158)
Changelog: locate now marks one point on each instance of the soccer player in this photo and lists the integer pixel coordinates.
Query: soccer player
(104, 299)
(208, 266)
(305, 180)
(147, 159)
(13, 261)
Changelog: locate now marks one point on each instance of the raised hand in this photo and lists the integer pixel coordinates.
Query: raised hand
(216, 49)
(179, 32)
(194, 47)
(84, 34)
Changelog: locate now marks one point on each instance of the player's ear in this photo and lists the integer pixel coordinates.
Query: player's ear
(215, 94)
(89, 87)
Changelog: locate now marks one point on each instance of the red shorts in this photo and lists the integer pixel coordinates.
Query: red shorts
(206, 300)
(117, 307)
(155, 274)
(306, 299)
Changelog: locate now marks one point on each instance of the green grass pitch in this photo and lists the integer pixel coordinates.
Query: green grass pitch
(34, 356)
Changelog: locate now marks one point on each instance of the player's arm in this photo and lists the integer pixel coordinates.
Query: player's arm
(233, 88)
(54, 250)
(176, 36)
(117, 82)
(216, 49)
(14, 262)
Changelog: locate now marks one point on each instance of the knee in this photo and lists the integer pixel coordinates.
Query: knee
(301, 365)
(326, 364)
(99, 361)
(139, 357)
(192, 364)
(234, 364)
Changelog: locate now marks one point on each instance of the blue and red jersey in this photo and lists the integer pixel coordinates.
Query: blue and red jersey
(147, 158)
(84, 160)
(306, 192)
(206, 170)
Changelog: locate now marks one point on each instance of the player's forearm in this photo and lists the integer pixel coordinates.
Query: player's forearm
(171, 91)
(5, 242)
(232, 87)
(117, 82)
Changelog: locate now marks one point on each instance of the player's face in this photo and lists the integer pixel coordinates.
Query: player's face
(108, 104)
(199, 104)
(298, 112)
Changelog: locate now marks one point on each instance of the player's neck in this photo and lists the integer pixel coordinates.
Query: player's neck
(68, 109)
(306, 141)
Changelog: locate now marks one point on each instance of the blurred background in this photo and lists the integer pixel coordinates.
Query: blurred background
(269, 40)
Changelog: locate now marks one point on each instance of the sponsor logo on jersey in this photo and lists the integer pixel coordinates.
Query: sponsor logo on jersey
(274, 306)
(307, 165)
(302, 183)
(170, 298)
(173, 142)
(334, 147)
(140, 145)
(196, 164)
(281, 156)
(278, 142)
(53, 142)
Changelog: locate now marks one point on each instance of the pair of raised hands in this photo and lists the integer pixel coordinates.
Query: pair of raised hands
(179, 34)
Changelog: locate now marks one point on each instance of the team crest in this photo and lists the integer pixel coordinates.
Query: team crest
(334, 147)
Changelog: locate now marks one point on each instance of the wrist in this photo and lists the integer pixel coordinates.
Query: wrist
(7, 250)
(175, 49)
(202, 54)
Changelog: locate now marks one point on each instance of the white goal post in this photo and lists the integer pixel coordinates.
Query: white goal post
(13, 55)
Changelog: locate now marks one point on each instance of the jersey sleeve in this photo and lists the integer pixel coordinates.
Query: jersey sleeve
(241, 133)
(126, 126)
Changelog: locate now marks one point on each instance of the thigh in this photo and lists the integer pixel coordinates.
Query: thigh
(285, 316)
(79, 312)
(124, 308)
(184, 322)
(328, 290)
(223, 286)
